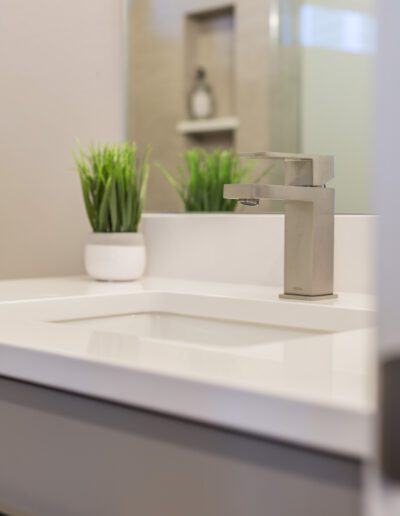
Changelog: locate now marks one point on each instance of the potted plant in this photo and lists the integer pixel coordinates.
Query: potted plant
(114, 182)
(200, 180)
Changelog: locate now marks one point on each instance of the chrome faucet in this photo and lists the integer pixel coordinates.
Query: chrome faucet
(309, 221)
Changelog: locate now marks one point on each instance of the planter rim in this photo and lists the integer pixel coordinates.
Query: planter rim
(115, 239)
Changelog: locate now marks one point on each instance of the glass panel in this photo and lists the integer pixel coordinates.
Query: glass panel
(285, 75)
(321, 102)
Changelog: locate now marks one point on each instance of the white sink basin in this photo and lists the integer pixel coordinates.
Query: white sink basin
(195, 331)
(165, 320)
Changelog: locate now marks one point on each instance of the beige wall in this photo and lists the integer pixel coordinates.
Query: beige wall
(61, 65)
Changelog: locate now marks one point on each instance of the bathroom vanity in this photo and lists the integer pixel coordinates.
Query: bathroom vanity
(196, 391)
(64, 454)
(186, 395)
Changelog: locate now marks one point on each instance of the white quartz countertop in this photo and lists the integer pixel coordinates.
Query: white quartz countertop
(317, 391)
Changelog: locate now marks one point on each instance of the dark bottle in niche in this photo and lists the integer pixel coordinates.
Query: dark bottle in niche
(201, 100)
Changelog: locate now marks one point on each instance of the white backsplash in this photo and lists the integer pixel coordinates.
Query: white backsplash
(249, 248)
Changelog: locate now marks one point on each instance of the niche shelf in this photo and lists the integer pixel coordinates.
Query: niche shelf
(210, 125)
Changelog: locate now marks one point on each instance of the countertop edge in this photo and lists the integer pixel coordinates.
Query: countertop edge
(328, 429)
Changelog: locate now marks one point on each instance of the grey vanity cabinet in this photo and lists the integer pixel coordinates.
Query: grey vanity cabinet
(68, 455)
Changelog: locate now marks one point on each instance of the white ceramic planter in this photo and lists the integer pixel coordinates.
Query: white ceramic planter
(115, 256)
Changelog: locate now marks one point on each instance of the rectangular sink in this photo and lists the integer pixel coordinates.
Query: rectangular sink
(194, 331)
(159, 328)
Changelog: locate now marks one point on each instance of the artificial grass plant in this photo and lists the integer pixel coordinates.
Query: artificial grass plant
(201, 178)
(114, 182)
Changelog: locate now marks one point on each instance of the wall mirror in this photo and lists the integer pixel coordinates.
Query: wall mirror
(284, 75)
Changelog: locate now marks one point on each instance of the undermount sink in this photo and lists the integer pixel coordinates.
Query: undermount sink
(222, 324)
(195, 331)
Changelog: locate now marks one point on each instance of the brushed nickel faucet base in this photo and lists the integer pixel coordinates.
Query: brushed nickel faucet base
(299, 297)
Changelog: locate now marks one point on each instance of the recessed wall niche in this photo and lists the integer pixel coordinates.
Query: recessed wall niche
(167, 40)
(209, 40)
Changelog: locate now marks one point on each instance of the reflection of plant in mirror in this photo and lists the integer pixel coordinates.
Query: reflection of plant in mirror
(113, 181)
(200, 181)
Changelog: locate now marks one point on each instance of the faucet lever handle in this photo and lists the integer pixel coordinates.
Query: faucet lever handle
(301, 169)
